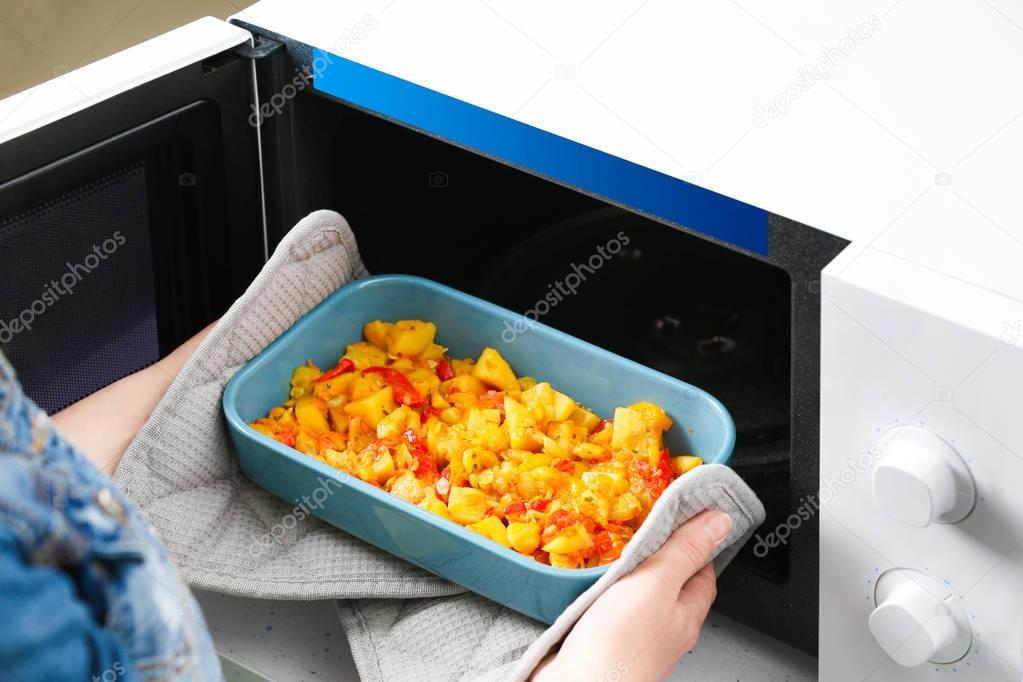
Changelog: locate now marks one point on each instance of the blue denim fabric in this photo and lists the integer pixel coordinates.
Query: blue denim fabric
(87, 592)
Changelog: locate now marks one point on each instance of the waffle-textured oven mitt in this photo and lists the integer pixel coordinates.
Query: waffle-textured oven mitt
(403, 622)
(467, 637)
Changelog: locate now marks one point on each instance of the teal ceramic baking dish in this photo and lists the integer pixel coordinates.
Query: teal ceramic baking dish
(595, 377)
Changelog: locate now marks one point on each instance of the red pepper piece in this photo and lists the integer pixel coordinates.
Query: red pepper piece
(540, 504)
(424, 462)
(428, 412)
(602, 425)
(404, 392)
(665, 471)
(444, 484)
(345, 365)
(657, 477)
(515, 508)
(565, 465)
(561, 518)
(444, 370)
(414, 444)
(287, 437)
(607, 547)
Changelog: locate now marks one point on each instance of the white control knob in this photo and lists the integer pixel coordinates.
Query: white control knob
(921, 479)
(917, 620)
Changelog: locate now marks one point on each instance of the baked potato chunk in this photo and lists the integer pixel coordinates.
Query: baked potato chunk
(494, 371)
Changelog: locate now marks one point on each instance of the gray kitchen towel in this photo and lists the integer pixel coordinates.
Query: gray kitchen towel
(229, 535)
(225, 533)
(467, 637)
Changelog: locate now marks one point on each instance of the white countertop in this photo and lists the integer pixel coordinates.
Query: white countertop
(304, 642)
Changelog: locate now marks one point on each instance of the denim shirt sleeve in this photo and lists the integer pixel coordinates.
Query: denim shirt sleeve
(47, 632)
(88, 593)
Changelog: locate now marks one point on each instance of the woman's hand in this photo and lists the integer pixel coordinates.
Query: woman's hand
(642, 625)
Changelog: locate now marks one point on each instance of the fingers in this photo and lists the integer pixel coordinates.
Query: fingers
(694, 602)
(699, 592)
(689, 548)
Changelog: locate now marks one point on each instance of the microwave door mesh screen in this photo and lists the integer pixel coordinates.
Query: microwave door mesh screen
(78, 310)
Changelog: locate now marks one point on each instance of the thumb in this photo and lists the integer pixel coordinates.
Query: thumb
(689, 548)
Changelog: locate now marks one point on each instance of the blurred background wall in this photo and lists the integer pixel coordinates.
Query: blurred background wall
(40, 39)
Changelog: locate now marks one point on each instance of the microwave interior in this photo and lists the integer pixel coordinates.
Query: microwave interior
(173, 167)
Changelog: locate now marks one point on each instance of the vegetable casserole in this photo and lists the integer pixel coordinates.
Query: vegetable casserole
(508, 457)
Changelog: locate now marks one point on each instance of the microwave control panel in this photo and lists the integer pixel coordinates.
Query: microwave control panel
(921, 533)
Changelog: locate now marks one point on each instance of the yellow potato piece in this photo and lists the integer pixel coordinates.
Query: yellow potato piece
(432, 504)
(625, 507)
(684, 463)
(306, 442)
(539, 401)
(451, 415)
(311, 413)
(373, 407)
(494, 370)
(572, 539)
(394, 423)
(563, 407)
(585, 418)
(466, 505)
(629, 428)
(433, 352)
(262, 428)
(589, 451)
(524, 537)
(654, 415)
(407, 487)
(338, 419)
(477, 459)
(383, 466)
(303, 376)
(460, 367)
(332, 388)
(526, 383)
(409, 338)
(520, 426)
(376, 333)
(362, 386)
(365, 355)
(535, 460)
(464, 383)
(639, 427)
(491, 527)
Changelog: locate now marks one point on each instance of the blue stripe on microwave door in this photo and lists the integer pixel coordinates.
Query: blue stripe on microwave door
(544, 153)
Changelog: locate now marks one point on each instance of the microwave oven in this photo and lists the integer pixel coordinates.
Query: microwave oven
(871, 369)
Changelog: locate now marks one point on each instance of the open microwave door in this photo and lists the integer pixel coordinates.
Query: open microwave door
(130, 208)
